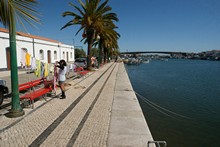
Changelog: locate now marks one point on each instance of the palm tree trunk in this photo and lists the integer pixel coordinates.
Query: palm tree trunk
(100, 51)
(89, 65)
(90, 37)
(105, 55)
(108, 56)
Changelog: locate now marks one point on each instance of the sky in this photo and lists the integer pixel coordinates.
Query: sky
(144, 25)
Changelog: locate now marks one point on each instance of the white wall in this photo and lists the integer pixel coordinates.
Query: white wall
(23, 42)
(64, 49)
(4, 43)
(33, 47)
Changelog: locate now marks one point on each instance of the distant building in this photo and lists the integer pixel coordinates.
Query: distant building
(44, 49)
(213, 55)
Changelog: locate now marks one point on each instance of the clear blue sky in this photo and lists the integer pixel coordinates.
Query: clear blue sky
(144, 25)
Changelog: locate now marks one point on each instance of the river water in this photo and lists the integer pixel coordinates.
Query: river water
(180, 100)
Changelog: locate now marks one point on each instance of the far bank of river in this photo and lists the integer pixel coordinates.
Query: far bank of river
(180, 100)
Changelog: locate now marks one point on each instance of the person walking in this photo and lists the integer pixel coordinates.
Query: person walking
(62, 77)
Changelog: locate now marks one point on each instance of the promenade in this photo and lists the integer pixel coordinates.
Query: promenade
(100, 110)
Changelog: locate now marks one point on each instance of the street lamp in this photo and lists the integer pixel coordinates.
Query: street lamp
(16, 109)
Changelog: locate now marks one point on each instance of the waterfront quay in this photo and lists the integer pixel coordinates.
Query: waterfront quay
(101, 109)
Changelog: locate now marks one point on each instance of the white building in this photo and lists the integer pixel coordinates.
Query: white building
(44, 49)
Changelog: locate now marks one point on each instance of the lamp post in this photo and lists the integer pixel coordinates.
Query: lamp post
(73, 42)
(16, 109)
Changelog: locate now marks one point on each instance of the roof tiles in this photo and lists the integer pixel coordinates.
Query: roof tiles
(30, 36)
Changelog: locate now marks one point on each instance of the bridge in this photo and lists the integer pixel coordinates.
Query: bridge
(157, 52)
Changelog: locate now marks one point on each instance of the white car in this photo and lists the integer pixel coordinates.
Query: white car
(3, 90)
(80, 62)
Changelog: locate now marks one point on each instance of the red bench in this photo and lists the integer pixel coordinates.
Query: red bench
(30, 84)
(79, 69)
(82, 73)
(36, 93)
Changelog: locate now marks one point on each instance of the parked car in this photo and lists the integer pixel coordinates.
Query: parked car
(80, 62)
(3, 90)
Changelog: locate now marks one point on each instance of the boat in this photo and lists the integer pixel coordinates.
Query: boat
(146, 61)
(163, 59)
(133, 61)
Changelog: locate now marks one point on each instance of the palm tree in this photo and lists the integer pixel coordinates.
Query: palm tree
(108, 39)
(91, 18)
(9, 11)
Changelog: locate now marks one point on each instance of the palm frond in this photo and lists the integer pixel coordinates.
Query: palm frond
(22, 10)
(69, 13)
(77, 8)
(102, 6)
(79, 30)
(111, 16)
(82, 5)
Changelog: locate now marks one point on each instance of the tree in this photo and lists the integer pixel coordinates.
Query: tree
(95, 52)
(108, 39)
(79, 53)
(91, 18)
(22, 10)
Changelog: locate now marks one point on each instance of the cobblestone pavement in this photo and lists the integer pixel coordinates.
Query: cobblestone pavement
(89, 116)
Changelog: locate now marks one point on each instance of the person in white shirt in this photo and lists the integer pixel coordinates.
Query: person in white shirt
(62, 77)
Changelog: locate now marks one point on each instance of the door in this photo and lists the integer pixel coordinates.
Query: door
(67, 57)
(48, 56)
(8, 58)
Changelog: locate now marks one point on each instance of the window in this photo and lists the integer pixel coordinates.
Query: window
(55, 55)
(41, 55)
(63, 55)
(71, 55)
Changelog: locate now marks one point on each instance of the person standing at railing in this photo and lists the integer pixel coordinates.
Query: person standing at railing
(62, 76)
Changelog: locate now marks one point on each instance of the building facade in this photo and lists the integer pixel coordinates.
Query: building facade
(43, 49)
